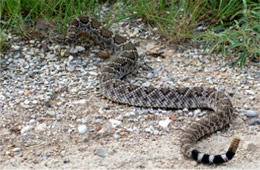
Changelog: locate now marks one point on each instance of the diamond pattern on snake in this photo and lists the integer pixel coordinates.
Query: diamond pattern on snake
(114, 88)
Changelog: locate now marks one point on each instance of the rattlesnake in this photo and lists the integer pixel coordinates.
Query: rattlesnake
(114, 88)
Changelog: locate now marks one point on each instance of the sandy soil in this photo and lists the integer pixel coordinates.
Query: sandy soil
(53, 140)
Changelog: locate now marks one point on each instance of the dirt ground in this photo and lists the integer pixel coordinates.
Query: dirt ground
(46, 136)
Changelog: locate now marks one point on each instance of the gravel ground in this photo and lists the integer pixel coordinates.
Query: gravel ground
(52, 115)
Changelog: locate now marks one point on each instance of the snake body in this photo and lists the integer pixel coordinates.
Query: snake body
(114, 88)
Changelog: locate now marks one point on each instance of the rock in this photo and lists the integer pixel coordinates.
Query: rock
(16, 47)
(26, 129)
(82, 129)
(197, 112)
(115, 123)
(41, 127)
(26, 93)
(251, 113)
(185, 110)
(179, 112)
(79, 48)
(71, 68)
(66, 160)
(82, 101)
(173, 117)
(250, 92)
(101, 152)
(164, 123)
(74, 90)
(254, 122)
(85, 119)
(116, 136)
(150, 75)
(156, 132)
(150, 129)
(50, 113)
(16, 149)
(38, 153)
(146, 84)
(99, 120)
(106, 129)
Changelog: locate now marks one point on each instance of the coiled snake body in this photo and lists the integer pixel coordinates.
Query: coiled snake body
(114, 88)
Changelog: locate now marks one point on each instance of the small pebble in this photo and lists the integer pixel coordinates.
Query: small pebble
(16, 47)
(65, 161)
(40, 128)
(38, 153)
(82, 101)
(80, 48)
(71, 58)
(82, 129)
(164, 123)
(16, 149)
(101, 152)
(50, 113)
(150, 129)
(115, 123)
(116, 136)
(26, 129)
(99, 121)
(185, 110)
(253, 122)
(146, 84)
(251, 113)
(250, 92)
(84, 120)
(197, 112)
(150, 75)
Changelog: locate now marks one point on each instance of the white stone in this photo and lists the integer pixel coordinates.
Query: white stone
(70, 58)
(74, 90)
(50, 113)
(82, 101)
(26, 129)
(116, 136)
(150, 129)
(82, 129)
(250, 92)
(80, 48)
(146, 84)
(16, 149)
(40, 127)
(197, 112)
(164, 123)
(251, 113)
(16, 47)
(115, 123)
(185, 110)
(26, 102)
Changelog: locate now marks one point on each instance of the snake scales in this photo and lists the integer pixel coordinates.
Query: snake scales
(114, 88)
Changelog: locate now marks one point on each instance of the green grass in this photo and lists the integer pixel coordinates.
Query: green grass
(4, 45)
(232, 25)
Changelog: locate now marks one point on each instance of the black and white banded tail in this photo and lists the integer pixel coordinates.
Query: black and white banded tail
(216, 159)
(113, 87)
